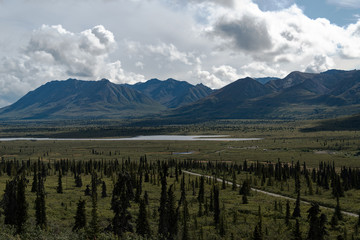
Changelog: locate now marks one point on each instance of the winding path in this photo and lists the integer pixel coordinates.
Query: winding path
(271, 194)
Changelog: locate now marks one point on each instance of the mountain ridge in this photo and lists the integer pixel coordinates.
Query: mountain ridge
(297, 96)
(172, 93)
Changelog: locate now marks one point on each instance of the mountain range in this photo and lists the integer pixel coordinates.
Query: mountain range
(297, 96)
(77, 99)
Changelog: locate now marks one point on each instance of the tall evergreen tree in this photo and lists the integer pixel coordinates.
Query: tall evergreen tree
(59, 188)
(94, 224)
(103, 190)
(78, 181)
(201, 190)
(22, 206)
(142, 223)
(317, 229)
(34, 185)
(257, 234)
(9, 202)
(216, 205)
(171, 214)
(296, 233)
(287, 213)
(162, 228)
(337, 211)
(185, 219)
(296, 212)
(40, 207)
(80, 217)
(122, 194)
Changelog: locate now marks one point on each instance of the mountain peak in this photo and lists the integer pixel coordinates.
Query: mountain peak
(172, 93)
(81, 99)
(104, 80)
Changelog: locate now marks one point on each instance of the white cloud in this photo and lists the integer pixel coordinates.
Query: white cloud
(55, 53)
(285, 36)
(170, 52)
(261, 69)
(209, 41)
(206, 77)
(226, 73)
(319, 64)
(218, 77)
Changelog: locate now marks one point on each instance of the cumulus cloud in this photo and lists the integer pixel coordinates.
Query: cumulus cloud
(170, 52)
(286, 36)
(320, 63)
(55, 53)
(248, 33)
(225, 72)
(261, 69)
(217, 77)
(204, 76)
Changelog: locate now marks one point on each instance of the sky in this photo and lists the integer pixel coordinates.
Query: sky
(213, 42)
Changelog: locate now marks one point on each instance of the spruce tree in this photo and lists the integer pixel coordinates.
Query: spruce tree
(87, 190)
(146, 198)
(245, 188)
(185, 219)
(216, 205)
(296, 233)
(162, 228)
(9, 202)
(142, 223)
(35, 178)
(40, 208)
(80, 217)
(171, 214)
(245, 199)
(120, 202)
(201, 190)
(59, 188)
(103, 190)
(22, 206)
(78, 181)
(260, 221)
(337, 211)
(317, 229)
(94, 225)
(296, 212)
(287, 213)
(257, 234)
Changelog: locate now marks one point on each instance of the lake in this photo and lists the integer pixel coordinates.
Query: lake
(143, 138)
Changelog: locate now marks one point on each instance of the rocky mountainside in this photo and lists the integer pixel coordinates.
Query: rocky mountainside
(76, 99)
(297, 96)
(172, 93)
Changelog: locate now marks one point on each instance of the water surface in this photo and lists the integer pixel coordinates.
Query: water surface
(143, 138)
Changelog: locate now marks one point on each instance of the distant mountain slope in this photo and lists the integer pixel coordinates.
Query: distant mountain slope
(81, 99)
(298, 95)
(225, 102)
(172, 93)
(290, 80)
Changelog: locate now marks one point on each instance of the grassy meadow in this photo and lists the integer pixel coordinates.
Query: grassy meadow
(281, 141)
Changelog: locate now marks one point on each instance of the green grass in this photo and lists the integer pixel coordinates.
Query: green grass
(282, 141)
